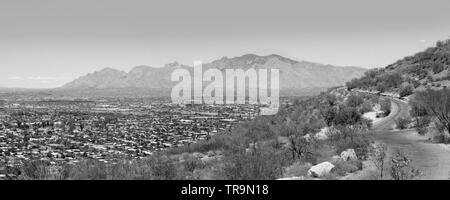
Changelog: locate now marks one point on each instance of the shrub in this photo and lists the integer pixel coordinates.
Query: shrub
(88, 170)
(385, 106)
(422, 124)
(347, 116)
(406, 91)
(402, 123)
(35, 170)
(437, 102)
(379, 159)
(261, 164)
(366, 107)
(438, 67)
(422, 130)
(297, 169)
(417, 110)
(162, 168)
(401, 168)
(354, 101)
(358, 142)
(341, 167)
(191, 163)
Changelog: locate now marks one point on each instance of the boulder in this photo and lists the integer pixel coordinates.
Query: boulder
(320, 170)
(349, 154)
(206, 159)
(307, 137)
(322, 134)
(293, 178)
(198, 155)
(335, 159)
(211, 153)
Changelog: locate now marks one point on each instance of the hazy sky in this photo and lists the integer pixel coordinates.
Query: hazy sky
(46, 43)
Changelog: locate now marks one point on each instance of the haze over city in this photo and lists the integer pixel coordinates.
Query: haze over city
(45, 44)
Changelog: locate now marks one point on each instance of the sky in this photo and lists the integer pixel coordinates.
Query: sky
(46, 43)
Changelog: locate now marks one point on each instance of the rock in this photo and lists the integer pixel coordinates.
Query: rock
(335, 159)
(322, 135)
(218, 152)
(206, 159)
(320, 170)
(211, 153)
(293, 178)
(198, 155)
(307, 137)
(349, 154)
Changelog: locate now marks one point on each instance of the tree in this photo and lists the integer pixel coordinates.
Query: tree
(416, 109)
(406, 90)
(379, 159)
(328, 115)
(437, 103)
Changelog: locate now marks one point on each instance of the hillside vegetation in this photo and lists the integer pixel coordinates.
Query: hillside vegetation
(426, 69)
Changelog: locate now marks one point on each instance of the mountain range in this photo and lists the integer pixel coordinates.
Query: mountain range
(294, 75)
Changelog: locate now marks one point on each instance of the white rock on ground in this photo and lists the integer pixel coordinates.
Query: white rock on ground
(323, 134)
(349, 154)
(335, 158)
(320, 170)
(372, 115)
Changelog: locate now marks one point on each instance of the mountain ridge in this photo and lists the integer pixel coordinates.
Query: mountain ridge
(293, 74)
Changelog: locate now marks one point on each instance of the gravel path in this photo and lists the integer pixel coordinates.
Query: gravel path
(433, 160)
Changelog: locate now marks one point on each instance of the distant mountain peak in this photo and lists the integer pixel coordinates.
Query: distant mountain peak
(109, 69)
(293, 74)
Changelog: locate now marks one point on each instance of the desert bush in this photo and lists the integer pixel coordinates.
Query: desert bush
(385, 106)
(347, 116)
(438, 68)
(35, 170)
(402, 122)
(392, 80)
(297, 169)
(350, 139)
(341, 167)
(354, 101)
(124, 171)
(406, 90)
(162, 168)
(191, 163)
(366, 107)
(378, 156)
(89, 169)
(422, 124)
(261, 164)
(331, 99)
(416, 109)
(437, 103)
(401, 168)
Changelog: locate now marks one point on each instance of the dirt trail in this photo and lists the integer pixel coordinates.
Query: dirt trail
(431, 159)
